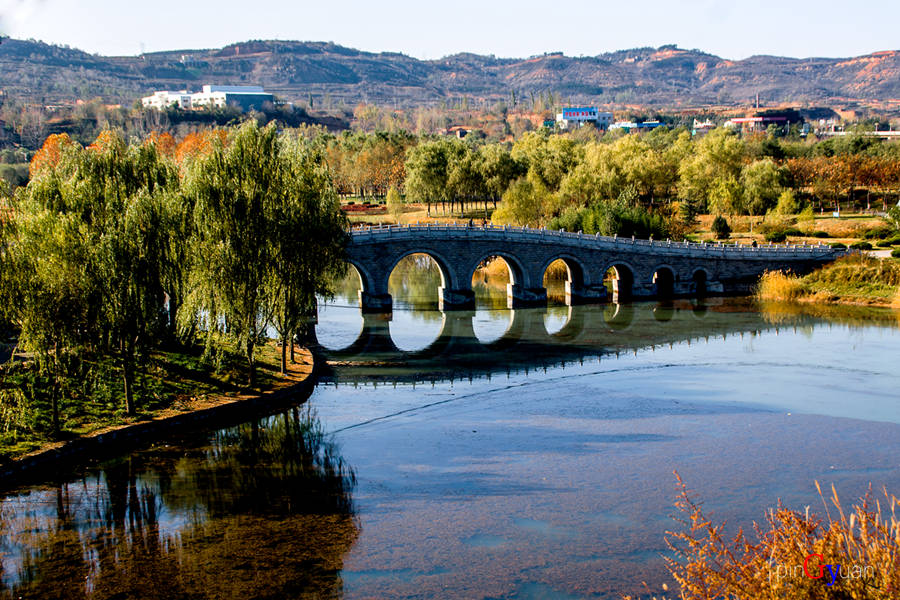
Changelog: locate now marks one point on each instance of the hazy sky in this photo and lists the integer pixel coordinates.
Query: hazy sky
(431, 29)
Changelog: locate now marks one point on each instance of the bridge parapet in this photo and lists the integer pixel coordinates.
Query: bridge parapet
(370, 234)
(644, 268)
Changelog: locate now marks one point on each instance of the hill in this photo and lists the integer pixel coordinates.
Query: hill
(326, 72)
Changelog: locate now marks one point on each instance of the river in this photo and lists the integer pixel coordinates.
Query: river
(488, 454)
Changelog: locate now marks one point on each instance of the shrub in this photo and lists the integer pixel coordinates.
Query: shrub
(819, 234)
(708, 564)
(775, 285)
(891, 241)
(895, 253)
(878, 233)
(776, 236)
(721, 228)
(838, 246)
(861, 246)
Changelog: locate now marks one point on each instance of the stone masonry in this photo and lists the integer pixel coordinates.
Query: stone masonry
(644, 268)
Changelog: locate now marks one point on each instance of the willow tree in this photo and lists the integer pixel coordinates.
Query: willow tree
(308, 235)
(230, 187)
(49, 292)
(268, 230)
(98, 207)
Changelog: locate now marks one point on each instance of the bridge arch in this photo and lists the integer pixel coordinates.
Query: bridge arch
(699, 279)
(621, 276)
(577, 274)
(518, 275)
(568, 289)
(448, 275)
(664, 279)
(366, 281)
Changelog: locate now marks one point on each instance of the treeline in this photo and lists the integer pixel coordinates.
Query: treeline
(114, 250)
(582, 181)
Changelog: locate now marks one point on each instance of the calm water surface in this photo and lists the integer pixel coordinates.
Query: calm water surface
(488, 454)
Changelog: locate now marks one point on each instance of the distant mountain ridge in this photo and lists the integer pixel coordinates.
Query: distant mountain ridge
(664, 76)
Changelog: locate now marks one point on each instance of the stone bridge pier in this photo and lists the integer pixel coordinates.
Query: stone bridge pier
(641, 269)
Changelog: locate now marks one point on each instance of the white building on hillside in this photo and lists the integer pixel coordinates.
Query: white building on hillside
(164, 99)
(583, 114)
(219, 96)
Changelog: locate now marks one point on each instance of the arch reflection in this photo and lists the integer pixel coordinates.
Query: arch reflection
(527, 343)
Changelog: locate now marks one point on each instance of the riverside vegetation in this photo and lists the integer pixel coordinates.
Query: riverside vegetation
(159, 269)
(854, 279)
(795, 555)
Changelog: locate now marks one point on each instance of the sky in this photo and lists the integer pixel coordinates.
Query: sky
(428, 29)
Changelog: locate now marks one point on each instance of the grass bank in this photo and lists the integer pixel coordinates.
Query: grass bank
(179, 381)
(851, 280)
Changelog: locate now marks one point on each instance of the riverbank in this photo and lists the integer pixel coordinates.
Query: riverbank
(858, 280)
(96, 440)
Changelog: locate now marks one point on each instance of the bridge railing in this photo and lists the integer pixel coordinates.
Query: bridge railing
(531, 234)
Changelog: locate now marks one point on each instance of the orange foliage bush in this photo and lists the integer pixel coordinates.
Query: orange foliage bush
(105, 141)
(850, 554)
(165, 143)
(198, 144)
(50, 153)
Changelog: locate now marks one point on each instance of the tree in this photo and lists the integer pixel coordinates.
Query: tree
(308, 236)
(726, 197)
(47, 292)
(103, 202)
(269, 237)
(230, 187)
(787, 204)
(394, 204)
(427, 172)
(498, 169)
(721, 228)
(718, 154)
(762, 181)
(522, 204)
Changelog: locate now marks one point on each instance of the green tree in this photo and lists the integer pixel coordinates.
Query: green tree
(721, 228)
(726, 196)
(231, 187)
(762, 181)
(522, 204)
(719, 154)
(394, 204)
(48, 291)
(308, 236)
(127, 185)
(106, 198)
(427, 170)
(498, 169)
(787, 204)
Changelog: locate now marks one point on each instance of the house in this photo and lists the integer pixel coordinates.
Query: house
(164, 99)
(580, 115)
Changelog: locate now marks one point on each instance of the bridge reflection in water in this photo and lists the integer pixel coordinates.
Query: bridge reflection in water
(589, 331)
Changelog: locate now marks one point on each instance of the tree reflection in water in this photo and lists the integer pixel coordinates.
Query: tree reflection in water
(264, 510)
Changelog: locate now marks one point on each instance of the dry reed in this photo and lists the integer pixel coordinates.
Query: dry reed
(856, 551)
(778, 286)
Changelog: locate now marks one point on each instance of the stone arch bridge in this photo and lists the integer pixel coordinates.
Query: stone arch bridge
(643, 268)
